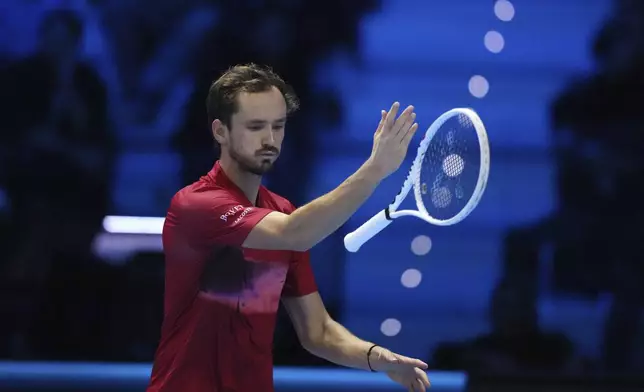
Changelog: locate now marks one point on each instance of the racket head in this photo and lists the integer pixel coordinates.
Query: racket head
(451, 168)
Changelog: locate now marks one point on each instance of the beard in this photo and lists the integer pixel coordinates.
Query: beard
(252, 165)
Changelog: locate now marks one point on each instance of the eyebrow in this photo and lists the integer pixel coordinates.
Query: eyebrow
(258, 121)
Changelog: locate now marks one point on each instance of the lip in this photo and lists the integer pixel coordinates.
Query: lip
(267, 154)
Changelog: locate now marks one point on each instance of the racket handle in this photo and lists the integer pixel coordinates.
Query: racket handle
(354, 240)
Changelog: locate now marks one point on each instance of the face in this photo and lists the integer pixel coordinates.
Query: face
(256, 132)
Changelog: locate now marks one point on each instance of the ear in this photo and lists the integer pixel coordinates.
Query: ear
(219, 131)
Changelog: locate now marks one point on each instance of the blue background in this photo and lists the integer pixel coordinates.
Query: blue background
(414, 51)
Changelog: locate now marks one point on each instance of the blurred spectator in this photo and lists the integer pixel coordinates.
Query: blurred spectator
(622, 36)
(159, 80)
(603, 115)
(138, 308)
(136, 33)
(56, 158)
(608, 155)
(598, 142)
(514, 346)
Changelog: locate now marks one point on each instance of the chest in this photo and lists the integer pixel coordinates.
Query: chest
(267, 269)
(247, 273)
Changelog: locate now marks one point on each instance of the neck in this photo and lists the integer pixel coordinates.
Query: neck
(248, 182)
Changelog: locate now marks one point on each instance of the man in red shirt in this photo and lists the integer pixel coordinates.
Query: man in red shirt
(234, 249)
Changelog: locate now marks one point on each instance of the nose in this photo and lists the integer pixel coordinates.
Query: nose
(269, 138)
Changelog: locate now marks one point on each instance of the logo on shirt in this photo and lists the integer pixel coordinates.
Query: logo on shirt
(231, 212)
(243, 214)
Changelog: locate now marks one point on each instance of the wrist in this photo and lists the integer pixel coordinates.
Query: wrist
(372, 171)
(369, 354)
(380, 359)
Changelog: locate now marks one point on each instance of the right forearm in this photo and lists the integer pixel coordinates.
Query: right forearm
(313, 222)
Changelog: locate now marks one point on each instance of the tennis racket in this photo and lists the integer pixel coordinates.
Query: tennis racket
(449, 175)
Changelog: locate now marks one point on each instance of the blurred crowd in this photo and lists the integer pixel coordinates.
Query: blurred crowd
(85, 81)
(589, 247)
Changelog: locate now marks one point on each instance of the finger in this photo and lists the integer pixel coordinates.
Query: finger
(391, 116)
(402, 119)
(419, 386)
(409, 135)
(422, 376)
(405, 127)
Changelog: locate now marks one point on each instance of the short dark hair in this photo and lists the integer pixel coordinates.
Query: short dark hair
(250, 78)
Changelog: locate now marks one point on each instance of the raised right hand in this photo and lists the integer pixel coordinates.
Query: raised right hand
(391, 140)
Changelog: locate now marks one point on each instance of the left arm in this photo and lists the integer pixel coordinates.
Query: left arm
(323, 337)
(318, 333)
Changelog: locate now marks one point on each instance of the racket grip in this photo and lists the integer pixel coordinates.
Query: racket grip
(354, 240)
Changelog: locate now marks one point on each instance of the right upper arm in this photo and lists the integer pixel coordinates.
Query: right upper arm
(270, 233)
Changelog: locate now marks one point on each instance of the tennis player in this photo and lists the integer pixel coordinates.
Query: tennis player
(234, 249)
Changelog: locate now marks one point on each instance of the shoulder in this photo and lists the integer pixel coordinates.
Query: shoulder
(280, 203)
(201, 197)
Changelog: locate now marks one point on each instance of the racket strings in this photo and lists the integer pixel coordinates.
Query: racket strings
(449, 171)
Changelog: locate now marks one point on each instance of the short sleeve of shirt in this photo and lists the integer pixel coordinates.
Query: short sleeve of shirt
(217, 218)
(299, 278)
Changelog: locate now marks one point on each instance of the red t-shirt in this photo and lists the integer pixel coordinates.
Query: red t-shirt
(221, 299)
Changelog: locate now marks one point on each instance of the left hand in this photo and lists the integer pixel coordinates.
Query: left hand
(408, 372)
